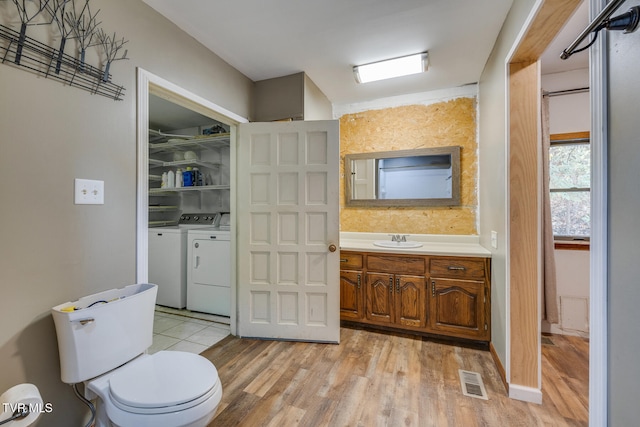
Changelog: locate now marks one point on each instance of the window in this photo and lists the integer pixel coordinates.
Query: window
(569, 184)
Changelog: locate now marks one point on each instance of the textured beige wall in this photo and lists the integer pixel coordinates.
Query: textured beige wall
(415, 126)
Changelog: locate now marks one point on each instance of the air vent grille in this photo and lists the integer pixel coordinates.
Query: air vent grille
(472, 385)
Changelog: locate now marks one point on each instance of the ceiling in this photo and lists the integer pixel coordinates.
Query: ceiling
(273, 38)
(550, 60)
(325, 39)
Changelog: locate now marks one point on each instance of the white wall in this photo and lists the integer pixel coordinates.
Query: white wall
(570, 113)
(52, 251)
(316, 104)
(493, 172)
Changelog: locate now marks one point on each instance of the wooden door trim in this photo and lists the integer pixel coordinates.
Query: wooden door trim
(523, 82)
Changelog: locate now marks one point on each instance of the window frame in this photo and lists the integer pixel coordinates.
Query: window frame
(563, 241)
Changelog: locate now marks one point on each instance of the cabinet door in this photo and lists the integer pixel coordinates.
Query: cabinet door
(379, 305)
(457, 308)
(351, 295)
(410, 301)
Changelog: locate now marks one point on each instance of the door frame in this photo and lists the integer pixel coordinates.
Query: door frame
(149, 83)
(598, 376)
(524, 196)
(599, 246)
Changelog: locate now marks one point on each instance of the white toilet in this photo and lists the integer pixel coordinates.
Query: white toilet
(102, 339)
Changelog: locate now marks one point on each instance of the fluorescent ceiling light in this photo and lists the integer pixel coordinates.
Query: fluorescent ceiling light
(412, 64)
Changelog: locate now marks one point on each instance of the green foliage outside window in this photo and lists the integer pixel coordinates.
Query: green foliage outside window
(569, 182)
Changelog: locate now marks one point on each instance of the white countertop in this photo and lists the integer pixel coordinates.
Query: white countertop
(432, 244)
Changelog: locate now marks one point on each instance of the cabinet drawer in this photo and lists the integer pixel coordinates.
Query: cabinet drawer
(350, 260)
(460, 268)
(397, 264)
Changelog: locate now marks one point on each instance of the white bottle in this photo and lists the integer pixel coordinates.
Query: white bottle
(179, 178)
(171, 179)
(164, 180)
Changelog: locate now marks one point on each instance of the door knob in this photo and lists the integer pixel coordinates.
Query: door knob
(332, 248)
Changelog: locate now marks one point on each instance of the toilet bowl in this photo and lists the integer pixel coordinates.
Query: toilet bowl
(166, 389)
(102, 341)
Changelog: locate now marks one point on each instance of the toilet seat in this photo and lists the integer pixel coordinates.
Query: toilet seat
(167, 381)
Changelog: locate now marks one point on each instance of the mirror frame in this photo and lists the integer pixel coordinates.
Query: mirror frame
(454, 200)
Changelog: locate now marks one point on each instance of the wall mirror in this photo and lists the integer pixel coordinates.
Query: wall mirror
(420, 177)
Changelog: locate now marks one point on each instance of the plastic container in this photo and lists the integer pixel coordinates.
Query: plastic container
(197, 177)
(179, 178)
(187, 178)
(171, 179)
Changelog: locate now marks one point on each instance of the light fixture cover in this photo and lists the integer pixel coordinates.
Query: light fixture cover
(390, 68)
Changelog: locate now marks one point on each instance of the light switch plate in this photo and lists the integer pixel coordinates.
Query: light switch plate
(494, 239)
(89, 192)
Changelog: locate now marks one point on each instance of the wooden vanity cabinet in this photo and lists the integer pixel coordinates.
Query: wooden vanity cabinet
(437, 295)
(460, 299)
(351, 286)
(395, 299)
(395, 290)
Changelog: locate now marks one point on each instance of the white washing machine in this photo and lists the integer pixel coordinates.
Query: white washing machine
(209, 271)
(168, 258)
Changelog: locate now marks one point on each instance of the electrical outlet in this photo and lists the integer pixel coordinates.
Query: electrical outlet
(494, 239)
(89, 192)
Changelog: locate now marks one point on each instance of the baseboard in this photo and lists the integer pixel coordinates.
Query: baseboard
(498, 362)
(526, 394)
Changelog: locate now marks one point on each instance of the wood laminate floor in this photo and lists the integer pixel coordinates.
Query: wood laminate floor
(376, 379)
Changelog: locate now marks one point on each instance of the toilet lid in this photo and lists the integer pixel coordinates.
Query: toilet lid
(163, 380)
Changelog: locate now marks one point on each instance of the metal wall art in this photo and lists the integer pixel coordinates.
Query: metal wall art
(72, 22)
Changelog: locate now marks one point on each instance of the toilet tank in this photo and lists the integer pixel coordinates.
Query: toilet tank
(102, 331)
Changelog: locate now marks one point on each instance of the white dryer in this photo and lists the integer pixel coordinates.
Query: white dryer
(168, 258)
(209, 271)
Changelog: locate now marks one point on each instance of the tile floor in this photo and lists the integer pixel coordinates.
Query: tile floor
(184, 330)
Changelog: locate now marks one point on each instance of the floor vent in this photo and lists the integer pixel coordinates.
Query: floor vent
(546, 341)
(472, 385)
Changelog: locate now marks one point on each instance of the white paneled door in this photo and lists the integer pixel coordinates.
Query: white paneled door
(288, 231)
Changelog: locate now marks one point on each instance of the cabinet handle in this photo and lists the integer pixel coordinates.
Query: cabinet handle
(398, 284)
(451, 267)
(358, 281)
(433, 288)
(344, 260)
(390, 284)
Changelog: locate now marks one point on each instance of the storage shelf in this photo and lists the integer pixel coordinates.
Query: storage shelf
(220, 140)
(162, 208)
(154, 163)
(156, 191)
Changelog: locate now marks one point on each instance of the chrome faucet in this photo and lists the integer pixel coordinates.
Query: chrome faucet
(399, 237)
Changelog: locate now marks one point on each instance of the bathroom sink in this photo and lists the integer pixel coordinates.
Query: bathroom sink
(397, 245)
